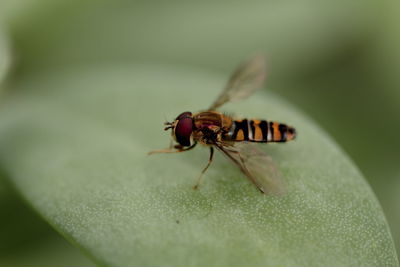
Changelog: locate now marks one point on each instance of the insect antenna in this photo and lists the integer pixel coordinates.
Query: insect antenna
(169, 125)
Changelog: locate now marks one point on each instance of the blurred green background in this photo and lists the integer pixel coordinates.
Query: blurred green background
(338, 61)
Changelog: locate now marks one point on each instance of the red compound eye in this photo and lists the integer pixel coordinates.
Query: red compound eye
(184, 128)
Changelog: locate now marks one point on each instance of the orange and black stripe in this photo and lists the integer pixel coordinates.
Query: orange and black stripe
(260, 131)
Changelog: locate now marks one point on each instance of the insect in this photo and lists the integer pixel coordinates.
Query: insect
(235, 138)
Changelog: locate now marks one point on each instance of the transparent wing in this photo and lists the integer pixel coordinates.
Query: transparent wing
(247, 78)
(257, 166)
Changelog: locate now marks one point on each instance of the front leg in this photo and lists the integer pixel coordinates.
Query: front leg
(175, 149)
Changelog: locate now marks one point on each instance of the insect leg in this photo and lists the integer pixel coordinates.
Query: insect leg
(178, 148)
(204, 170)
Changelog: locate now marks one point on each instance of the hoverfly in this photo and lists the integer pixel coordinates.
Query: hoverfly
(235, 138)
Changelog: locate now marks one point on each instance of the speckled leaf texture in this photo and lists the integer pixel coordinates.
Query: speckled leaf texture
(74, 143)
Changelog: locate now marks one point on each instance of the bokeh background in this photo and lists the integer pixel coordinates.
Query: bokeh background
(338, 61)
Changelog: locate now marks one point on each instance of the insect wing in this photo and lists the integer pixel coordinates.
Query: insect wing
(249, 76)
(259, 168)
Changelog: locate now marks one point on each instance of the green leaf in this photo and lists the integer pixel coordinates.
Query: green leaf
(319, 50)
(26, 240)
(74, 143)
(5, 58)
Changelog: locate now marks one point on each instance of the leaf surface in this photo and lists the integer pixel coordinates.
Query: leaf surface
(74, 142)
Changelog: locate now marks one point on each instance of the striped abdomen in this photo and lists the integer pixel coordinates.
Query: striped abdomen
(260, 131)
